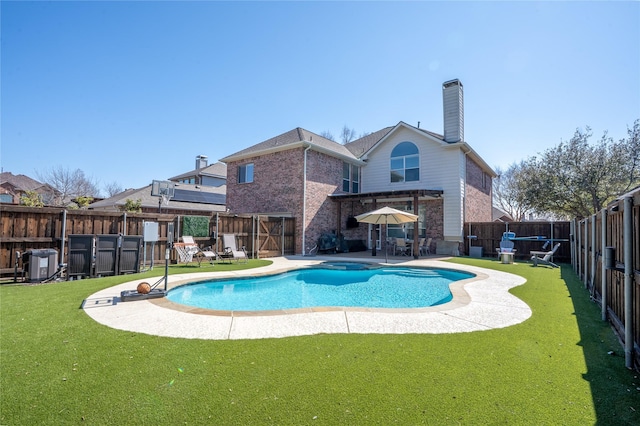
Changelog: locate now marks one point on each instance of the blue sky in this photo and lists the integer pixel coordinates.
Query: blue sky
(129, 92)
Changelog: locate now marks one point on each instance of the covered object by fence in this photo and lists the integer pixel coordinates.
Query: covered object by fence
(487, 235)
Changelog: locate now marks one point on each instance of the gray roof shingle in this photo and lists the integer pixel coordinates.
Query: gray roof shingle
(214, 170)
(21, 182)
(147, 200)
(292, 137)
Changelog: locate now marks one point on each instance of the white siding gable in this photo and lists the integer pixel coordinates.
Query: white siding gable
(441, 168)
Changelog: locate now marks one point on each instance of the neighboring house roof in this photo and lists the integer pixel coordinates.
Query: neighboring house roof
(217, 170)
(16, 185)
(295, 138)
(187, 197)
(21, 182)
(500, 215)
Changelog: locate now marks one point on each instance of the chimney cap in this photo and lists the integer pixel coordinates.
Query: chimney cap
(454, 82)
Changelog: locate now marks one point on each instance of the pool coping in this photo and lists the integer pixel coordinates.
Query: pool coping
(479, 303)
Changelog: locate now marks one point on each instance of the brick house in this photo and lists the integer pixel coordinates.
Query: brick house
(13, 187)
(323, 184)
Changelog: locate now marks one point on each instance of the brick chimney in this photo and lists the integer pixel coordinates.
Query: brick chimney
(201, 162)
(453, 111)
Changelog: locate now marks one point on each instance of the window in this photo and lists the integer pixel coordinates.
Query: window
(6, 198)
(355, 179)
(405, 163)
(350, 178)
(245, 173)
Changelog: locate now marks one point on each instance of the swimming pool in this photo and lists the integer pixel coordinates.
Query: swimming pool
(335, 285)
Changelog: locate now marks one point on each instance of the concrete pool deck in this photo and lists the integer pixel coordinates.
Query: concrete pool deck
(480, 303)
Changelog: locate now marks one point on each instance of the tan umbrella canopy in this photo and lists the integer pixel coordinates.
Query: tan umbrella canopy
(386, 215)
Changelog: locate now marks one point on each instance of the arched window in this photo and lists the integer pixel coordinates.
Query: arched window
(405, 163)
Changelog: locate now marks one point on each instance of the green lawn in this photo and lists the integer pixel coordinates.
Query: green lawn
(58, 367)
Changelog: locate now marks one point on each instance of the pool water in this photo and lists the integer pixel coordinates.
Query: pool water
(322, 287)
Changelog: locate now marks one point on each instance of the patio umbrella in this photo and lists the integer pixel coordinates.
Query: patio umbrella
(386, 215)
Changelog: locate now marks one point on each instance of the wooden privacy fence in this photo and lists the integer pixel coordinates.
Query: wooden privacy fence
(488, 235)
(27, 228)
(606, 256)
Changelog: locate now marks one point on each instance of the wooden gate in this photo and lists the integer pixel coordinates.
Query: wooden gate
(274, 236)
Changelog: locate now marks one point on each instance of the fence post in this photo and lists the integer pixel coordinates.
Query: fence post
(603, 232)
(593, 256)
(586, 252)
(578, 249)
(64, 232)
(572, 243)
(628, 276)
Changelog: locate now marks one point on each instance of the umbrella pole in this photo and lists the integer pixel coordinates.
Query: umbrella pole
(386, 249)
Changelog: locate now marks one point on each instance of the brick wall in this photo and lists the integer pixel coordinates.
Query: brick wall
(324, 177)
(478, 194)
(278, 187)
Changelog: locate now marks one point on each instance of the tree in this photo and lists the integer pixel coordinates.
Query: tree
(31, 199)
(112, 189)
(578, 179)
(83, 202)
(70, 184)
(328, 135)
(347, 134)
(506, 192)
(132, 206)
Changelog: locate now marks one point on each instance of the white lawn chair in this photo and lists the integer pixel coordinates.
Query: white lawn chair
(231, 250)
(188, 250)
(546, 257)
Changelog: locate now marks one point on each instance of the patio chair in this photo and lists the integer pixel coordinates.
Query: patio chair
(425, 247)
(506, 246)
(401, 246)
(231, 250)
(546, 256)
(206, 254)
(188, 250)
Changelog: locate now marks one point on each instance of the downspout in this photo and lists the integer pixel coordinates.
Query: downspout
(304, 202)
(628, 285)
